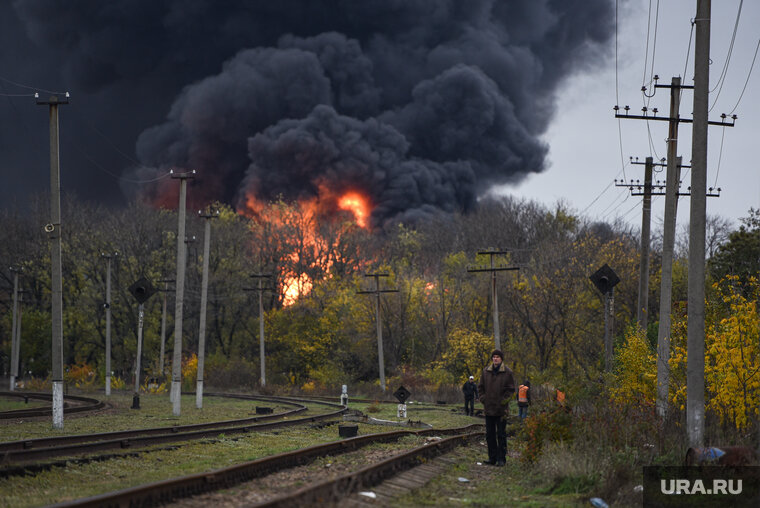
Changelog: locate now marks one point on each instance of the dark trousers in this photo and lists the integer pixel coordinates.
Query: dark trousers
(469, 405)
(523, 412)
(496, 437)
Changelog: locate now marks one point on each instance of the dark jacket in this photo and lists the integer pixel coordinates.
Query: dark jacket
(470, 390)
(495, 389)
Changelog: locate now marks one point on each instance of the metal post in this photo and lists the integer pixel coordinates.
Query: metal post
(19, 322)
(163, 329)
(14, 342)
(56, 284)
(181, 261)
(668, 242)
(609, 320)
(646, 219)
(695, 342)
(376, 292)
(495, 299)
(262, 352)
(380, 357)
(204, 293)
(108, 323)
(262, 349)
(140, 315)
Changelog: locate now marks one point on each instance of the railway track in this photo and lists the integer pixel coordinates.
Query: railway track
(321, 492)
(71, 404)
(18, 454)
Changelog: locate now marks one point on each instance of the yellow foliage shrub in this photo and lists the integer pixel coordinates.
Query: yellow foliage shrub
(636, 372)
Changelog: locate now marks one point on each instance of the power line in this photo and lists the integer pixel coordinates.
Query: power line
(748, 76)
(724, 72)
(37, 89)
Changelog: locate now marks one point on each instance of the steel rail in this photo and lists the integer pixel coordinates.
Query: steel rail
(45, 448)
(332, 491)
(88, 404)
(158, 493)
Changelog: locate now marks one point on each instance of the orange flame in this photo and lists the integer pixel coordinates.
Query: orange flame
(356, 204)
(311, 243)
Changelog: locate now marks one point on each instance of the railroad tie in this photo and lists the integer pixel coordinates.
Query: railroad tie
(401, 484)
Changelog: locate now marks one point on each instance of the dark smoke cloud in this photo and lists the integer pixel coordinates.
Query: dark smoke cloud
(421, 104)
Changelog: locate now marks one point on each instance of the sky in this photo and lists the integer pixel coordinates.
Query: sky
(423, 106)
(586, 140)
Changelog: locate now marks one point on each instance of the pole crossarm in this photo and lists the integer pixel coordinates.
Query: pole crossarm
(678, 119)
(497, 268)
(188, 175)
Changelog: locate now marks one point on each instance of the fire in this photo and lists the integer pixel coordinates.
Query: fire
(356, 204)
(297, 229)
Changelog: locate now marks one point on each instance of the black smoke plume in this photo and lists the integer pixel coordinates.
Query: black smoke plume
(422, 105)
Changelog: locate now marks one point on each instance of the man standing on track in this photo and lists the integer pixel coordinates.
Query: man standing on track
(497, 384)
(470, 390)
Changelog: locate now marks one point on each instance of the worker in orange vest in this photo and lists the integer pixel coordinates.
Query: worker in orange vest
(560, 397)
(523, 399)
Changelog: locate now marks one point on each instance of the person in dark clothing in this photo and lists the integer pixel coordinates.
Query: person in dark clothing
(523, 399)
(495, 388)
(470, 390)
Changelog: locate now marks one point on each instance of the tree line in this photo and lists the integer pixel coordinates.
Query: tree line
(437, 328)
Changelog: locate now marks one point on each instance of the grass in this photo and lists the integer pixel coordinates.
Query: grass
(511, 485)
(13, 404)
(155, 411)
(83, 480)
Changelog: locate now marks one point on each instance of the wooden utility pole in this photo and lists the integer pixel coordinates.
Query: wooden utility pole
(53, 229)
(208, 215)
(262, 349)
(107, 306)
(181, 262)
(695, 342)
(377, 292)
(494, 293)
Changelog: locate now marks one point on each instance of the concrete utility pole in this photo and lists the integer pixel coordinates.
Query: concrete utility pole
(494, 293)
(165, 291)
(671, 202)
(262, 351)
(648, 190)
(176, 388)
(695, 342)
(54, 234)
(208, 215)
(107, 306)
(377, 292)
(15, 325)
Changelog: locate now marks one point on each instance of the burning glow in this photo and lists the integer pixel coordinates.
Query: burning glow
(306, 235)
(356, 204)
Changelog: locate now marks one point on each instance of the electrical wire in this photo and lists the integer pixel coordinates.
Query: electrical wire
(720, 157)
(38, 89)
(724, 72)
(688, 48)
(646, 49)
(752, 66)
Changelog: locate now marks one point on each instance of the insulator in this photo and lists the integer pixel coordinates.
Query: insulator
(654, 110)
